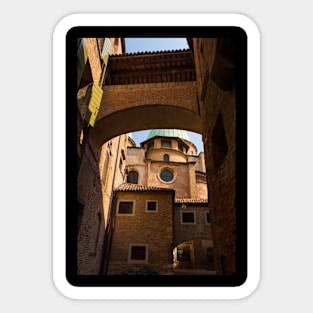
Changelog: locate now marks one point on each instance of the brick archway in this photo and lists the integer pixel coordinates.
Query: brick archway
(146, 91)
(143, 117)
(194, 90)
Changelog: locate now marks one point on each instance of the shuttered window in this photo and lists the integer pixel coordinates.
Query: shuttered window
(94, 103)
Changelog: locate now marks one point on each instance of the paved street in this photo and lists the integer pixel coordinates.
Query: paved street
(193, 272)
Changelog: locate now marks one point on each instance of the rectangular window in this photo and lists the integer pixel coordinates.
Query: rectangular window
(151, 206)
(138, 253)
(166, 144)
(123, 154)
(181, 147)
(188, 218)
(150, 145)
(121, 164)
(207, 217)
(126, 207)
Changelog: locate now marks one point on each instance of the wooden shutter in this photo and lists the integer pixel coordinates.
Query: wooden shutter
(94, 103)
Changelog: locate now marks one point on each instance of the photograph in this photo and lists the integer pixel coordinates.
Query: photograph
(156, 156)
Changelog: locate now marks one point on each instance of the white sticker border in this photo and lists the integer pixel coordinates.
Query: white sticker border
(59, 167)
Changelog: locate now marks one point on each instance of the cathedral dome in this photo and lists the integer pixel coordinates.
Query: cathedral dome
(182, 134)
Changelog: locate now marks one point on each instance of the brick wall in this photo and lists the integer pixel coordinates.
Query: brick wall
(121, 97)
(218, 111)
(199, 230)
(197, 236)
(95, 192)
(90, 234)
(152, 228)
(94, 60)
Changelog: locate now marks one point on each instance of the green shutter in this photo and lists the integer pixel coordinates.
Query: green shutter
(94, 103)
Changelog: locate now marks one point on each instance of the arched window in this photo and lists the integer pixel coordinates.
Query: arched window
(166, 158)
(132, 177)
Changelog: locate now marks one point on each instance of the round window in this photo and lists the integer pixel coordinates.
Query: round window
(166, 175)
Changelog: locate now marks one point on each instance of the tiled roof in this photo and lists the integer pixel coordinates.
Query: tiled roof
(189, 200)
(136, 187)
(149, 52)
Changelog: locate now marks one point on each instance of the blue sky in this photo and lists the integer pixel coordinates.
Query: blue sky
(134, 45)
(154, 44)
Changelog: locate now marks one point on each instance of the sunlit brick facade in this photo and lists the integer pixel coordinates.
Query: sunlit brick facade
(161, 210)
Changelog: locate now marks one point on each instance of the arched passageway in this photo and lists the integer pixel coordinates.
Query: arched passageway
(203, 100)
(194, 254)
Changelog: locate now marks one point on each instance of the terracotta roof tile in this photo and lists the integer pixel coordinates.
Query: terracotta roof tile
(191, 200)
(149, 52)
(136, 187)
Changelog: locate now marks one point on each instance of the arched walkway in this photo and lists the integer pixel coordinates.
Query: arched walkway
(143, 117)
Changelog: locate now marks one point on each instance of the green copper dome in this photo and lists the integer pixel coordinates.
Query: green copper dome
(182, 134)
